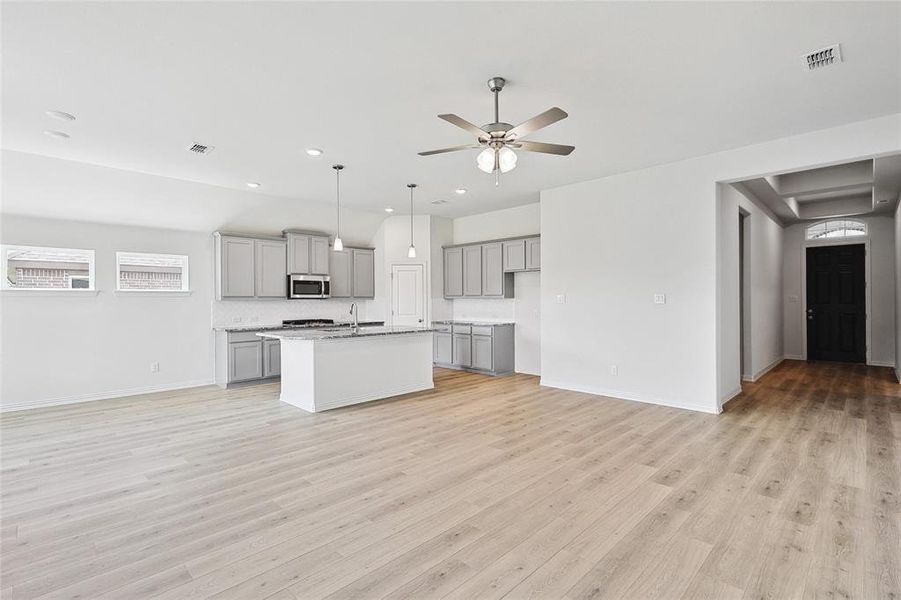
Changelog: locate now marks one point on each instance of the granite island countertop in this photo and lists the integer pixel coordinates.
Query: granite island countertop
(339, 333)
(471, 322)
(236, 328)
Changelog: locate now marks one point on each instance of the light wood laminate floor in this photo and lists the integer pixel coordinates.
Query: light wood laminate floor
(482, 488)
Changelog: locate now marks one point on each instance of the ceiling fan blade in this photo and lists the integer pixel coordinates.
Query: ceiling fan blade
(546, 148)
(451, 149)
(551, 115)
(464, 124)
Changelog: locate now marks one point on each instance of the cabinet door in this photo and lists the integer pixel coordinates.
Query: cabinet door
(514, 256)
(319, 255)
(533, 254)
(462, 350)
(443, 345)
(245, 361)
(298, 253)
(481, 353)
(271, 269)
(472, 270)
(339, 273)
(493, 270)
(453, 272)
(236, 273)
(272, 358)
(363, 273)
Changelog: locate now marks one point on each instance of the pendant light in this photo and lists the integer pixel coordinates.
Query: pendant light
(411, 252)
(339, 245)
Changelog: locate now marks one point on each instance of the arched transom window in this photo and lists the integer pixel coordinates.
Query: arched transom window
(841, 228)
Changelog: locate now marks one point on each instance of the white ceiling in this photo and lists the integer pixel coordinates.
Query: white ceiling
(644, 83)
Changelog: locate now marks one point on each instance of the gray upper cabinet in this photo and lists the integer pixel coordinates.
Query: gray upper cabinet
(236, 275)
(493, 270)
(340, 273)
(472, 270)
(533, 254)
(271, 269)
(363, 273)
(453, 272)
(319, 255)
(514, 255)
(298, 253)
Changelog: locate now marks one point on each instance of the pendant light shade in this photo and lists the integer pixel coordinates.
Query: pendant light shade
(339, 245)
(485, 160)
(411, 251)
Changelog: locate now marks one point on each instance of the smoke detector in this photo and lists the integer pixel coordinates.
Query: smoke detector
(198, 148)
(824, 57)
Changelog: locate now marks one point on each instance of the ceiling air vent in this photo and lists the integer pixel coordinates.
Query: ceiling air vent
(439, 201)
(200, 148)
(824, 57)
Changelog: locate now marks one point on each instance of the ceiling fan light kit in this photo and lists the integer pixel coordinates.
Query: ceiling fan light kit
(498, 139)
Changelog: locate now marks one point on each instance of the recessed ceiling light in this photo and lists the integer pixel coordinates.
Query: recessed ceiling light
(57, 134)
(62, 116)
(314, 151)
(460, 191)
(253, 184)
(389, 209)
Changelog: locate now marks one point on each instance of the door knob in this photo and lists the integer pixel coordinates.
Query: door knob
(809, 311)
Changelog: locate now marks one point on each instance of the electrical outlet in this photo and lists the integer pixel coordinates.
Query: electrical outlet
(236, 319)
(154, 367)
(614, 370)
(659, 298)
(561, 298)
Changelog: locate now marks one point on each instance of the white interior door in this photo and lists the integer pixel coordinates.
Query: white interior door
(408, 295)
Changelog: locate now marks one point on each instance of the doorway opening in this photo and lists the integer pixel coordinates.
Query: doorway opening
(744, 295)
(836, 306)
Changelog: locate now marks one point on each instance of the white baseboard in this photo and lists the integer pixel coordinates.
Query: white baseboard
(756, 376)
(730, 396)
(881, 363)
(794, 357)
(620, 395)
(897, 375)
(63, 400)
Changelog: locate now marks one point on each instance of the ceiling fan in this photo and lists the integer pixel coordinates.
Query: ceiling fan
(498, 140)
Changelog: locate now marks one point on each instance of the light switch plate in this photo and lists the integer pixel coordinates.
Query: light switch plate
(794, 299)
(561, 298)
(659, 298)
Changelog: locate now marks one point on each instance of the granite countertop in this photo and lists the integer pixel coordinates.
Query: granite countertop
(337, 333)
(293, 327)
(466, 322)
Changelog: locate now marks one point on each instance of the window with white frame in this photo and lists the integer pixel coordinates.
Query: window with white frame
(839, 228)
(40, 268)
(147, 272)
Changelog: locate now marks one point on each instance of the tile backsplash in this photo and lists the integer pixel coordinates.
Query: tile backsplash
(226, 313)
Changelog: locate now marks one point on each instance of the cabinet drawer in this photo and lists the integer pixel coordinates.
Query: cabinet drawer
(243, 336)
(482, 329)
(462, 329)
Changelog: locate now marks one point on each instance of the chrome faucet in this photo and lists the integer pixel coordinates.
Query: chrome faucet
(354, 313)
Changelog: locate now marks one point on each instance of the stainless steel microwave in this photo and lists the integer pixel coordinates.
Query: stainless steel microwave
(308, 286)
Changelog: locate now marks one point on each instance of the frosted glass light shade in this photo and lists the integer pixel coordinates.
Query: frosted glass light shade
(411, 251)
(506, 159)
(339, 245)
(485, 160)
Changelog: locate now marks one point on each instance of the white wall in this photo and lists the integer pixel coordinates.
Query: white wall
(610, 244)
(882, 290)
(391, 242)
(763, 311)
(65, 348)
(524, 308)
(898, 290)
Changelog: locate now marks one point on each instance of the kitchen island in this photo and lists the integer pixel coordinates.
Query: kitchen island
(333, 367)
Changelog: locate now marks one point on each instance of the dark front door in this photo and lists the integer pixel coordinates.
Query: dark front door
(836, 303)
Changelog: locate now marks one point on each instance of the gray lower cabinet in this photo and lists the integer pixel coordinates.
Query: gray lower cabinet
(486, 348)
(472, 270)
(272, 358)
(271, 269)
(462, 349)
(443, 347)
(453, 272)
(245, 361)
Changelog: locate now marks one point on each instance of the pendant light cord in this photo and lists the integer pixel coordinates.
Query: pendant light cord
(338, 201)
(412, 186)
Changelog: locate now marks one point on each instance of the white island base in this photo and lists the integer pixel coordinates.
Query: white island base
(321, 374)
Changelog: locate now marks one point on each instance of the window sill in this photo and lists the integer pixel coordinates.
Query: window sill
(154, 293)
(49, 292)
